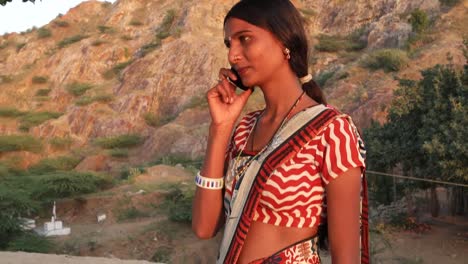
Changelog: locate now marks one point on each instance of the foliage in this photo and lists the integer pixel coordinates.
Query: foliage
(323, 77)
(70, 40)
(98, 42)
(106, 29)
(19, 143)
(48, 165)
(43, 92)
(135, 22)
(78, 89)
(162, 254)
(122, 141)
(39, 79)
(14, 204)
(419, 21)
(449, 2)
(61, 142)
(33, 119)
(168, 21)
(115, 71)
(30, 242)
(427, 129)
(44, 32)
(10, 112)
(334, 43)
(150, 119)
(61, 23)
(130, 213)
(118, 152)
(19, 46)
(387, 59)
(67, 184)
(178, 204)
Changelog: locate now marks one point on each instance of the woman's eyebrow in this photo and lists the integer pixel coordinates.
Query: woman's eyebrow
(228, 40)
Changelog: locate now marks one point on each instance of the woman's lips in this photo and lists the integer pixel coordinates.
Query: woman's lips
(242, 70)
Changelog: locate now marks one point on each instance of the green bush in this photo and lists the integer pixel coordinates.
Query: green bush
(105, 29)
(68, 41)
(78, 89)
(164, 29)
(126, 37)
(43, 92)
(178, 204)
(39, 79)
(85, 100)
(10, 112)
(30, 242)
(33, 119)
(64, 163)
(61, 23)
(44, 32)
(329, 43)
(98, 42)
(14, 203)
(323, 77)
(6, 79)
(19, 142)
(118, 153)
(449, 2)
(122, 141)
(419, 21)
(162, 254)
(387, 59)
(145, 49)
(67, 184)
(135, 22)
(115, 71)
(19, 46)
(103, 98)
(61, 143)
(130, 213)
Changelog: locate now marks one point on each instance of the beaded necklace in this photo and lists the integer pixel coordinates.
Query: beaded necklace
(240, 171)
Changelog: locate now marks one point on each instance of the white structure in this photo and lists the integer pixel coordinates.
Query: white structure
(54, 227)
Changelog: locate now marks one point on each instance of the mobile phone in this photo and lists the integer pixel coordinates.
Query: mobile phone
(238, 82)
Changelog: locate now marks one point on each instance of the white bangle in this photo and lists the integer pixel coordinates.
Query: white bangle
(209, 183)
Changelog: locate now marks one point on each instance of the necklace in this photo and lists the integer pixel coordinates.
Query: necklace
(240, 171)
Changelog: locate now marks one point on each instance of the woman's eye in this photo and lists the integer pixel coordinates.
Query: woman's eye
(244, 39)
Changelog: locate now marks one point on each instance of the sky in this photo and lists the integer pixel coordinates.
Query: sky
(17, 16)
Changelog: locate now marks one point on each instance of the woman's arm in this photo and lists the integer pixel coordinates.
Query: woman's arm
(343, 212)
(225, 107)
(207, 210)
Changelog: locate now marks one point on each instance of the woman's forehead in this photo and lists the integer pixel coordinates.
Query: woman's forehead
(235, 26)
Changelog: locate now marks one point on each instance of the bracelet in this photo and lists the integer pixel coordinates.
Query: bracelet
(209, 183)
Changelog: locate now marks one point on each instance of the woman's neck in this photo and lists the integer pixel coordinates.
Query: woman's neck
(279, 96)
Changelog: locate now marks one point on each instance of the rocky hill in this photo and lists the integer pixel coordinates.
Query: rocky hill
(142, 68)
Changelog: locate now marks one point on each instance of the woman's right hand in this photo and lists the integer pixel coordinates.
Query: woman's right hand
(225, 105)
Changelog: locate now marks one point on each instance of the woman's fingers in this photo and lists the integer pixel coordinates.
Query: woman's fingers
(227, 73)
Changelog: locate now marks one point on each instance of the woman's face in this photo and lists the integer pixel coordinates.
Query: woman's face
(253, 51)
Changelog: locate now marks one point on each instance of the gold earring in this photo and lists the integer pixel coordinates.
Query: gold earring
(287, 52)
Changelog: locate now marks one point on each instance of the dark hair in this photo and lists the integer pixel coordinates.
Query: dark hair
(282, 19)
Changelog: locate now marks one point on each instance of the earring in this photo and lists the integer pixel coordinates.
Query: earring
(287, 52)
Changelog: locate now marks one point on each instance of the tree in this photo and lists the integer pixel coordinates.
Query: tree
(426, 133)
(4, 2)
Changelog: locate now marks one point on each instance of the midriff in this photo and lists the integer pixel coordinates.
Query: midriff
(264, 240)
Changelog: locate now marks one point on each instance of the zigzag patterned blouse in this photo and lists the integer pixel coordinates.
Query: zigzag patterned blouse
(294, 193)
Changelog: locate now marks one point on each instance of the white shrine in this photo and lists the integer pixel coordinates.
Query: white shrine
(54, 227)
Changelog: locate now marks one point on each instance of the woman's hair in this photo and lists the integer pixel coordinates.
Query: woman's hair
(282, 19)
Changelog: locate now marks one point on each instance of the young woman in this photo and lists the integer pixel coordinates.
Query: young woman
(288, 169)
